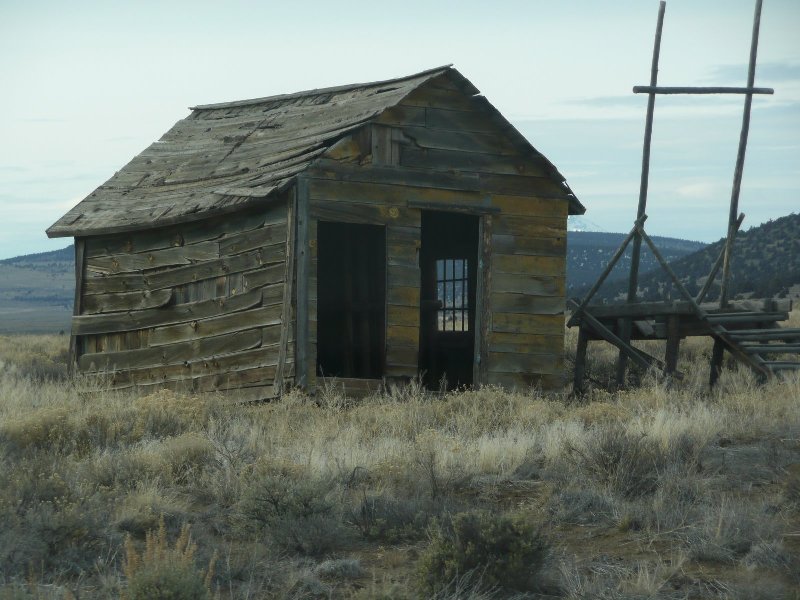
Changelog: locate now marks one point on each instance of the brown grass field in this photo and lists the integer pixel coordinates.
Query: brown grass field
(665, 490)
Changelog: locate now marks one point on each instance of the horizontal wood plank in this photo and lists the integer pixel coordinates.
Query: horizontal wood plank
(526, 303)
(518, 245)
(187, 274)
(264, 276)
(547, 285)
(124, 301)
(526, 381)
(407, 356)
(370, 214)
(537, 203)
(140, 319)
(407, 316)
(403, 295)
(524, 323)
(510, 362)
(403, 275)
(529, 265)
(266, 236)
(530, 226)
(169, 354)
(214, 326)
(182, 235)
(470, 162)
(153, 259)
(525, 343)
(402, 336)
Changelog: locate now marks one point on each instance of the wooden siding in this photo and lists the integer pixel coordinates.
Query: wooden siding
(199, 307)
(231, 303)
(441, 149)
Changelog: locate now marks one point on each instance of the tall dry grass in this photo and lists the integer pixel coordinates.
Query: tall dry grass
(675, 477)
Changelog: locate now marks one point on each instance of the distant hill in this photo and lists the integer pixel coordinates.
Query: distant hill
(588, 253)
(765, 263)
(37, 292)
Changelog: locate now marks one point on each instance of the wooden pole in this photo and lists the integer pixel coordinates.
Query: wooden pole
(578, 387)
(649, 89)
(713, 274)
(717, 356)
(737, 174)
(633, 281)
(673, 344)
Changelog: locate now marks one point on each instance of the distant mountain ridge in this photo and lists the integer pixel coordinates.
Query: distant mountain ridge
(765, 263)
(588, 253)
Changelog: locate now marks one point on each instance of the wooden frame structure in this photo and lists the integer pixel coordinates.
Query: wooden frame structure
(198, 267)
(745, 334)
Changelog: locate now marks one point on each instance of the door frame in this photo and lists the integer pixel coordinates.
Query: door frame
(483, 315)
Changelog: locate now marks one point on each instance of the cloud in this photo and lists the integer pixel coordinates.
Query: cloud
(700, 190)
(767, 73)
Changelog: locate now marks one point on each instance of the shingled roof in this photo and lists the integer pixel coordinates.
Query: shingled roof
(223, 157)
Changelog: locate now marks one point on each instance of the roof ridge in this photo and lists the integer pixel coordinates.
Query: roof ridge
(317, 91)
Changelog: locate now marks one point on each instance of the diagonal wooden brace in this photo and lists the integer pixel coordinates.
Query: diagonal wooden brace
(606, 272)
(641, 358)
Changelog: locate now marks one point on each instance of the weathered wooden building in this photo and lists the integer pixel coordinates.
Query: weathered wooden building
(365, 232)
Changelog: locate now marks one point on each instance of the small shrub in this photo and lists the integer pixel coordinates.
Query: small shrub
(340, 568)
(299, 516)
(167, 414)
(386, 518)
(630, 463)
(581, 506)
(729, 531)
(164, 573)
(147, 506)
(506, 552)
(768, 555)
(52, 430)
(791, 484)
(307, 587)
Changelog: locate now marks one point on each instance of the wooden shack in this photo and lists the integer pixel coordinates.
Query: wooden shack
(369, 232)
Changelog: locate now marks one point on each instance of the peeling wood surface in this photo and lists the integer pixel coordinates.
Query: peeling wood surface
(230, 303)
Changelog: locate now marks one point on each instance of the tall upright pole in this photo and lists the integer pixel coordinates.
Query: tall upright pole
(717, 354)
(737, 174)
(633, 281)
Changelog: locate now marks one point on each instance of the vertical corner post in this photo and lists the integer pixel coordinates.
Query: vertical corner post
(80, 270)
(302, 268)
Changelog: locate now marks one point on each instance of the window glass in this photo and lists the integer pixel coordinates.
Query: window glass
(452, 292)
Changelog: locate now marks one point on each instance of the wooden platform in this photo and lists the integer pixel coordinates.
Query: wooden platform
(748, 329)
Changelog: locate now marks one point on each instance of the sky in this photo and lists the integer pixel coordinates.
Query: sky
(88, 85)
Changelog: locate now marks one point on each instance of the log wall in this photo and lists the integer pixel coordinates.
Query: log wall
(200, 307)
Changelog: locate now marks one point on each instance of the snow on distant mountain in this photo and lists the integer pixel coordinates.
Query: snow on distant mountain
(582, 224)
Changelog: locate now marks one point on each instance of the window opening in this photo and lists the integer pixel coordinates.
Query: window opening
(452, 292)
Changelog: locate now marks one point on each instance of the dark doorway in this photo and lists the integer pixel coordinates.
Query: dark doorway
(351, 300)
(449, 266)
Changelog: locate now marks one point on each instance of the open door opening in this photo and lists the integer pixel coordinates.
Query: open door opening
(351, 300)
(449, 267)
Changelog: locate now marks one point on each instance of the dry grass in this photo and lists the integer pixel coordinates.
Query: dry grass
(661, 491)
